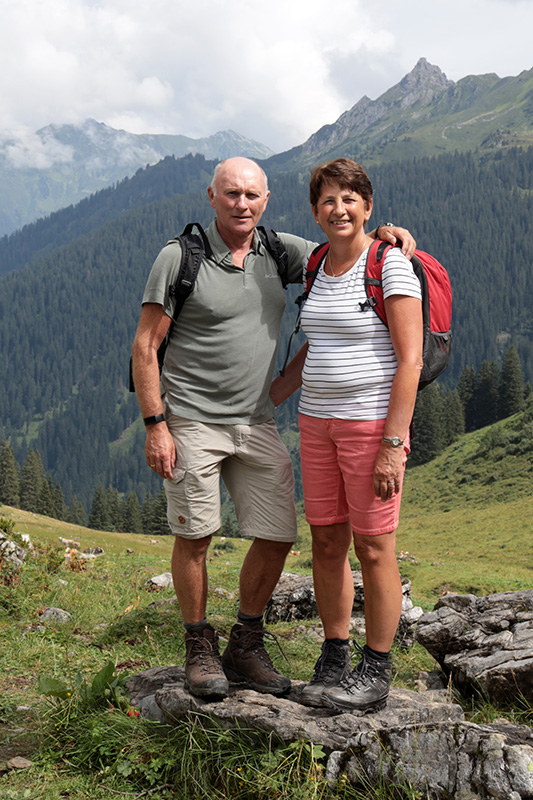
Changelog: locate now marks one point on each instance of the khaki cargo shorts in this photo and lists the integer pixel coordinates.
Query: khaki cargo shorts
(255, 467)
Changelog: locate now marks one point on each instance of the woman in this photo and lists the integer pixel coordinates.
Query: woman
(359, 384)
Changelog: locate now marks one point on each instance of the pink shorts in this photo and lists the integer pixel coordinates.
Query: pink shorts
(338, 458)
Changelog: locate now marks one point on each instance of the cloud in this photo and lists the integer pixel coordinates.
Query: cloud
(274, 72)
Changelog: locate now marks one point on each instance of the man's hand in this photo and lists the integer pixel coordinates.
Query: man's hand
(392, 234)
(160, 450)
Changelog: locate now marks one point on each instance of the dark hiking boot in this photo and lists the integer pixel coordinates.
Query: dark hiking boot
(363, 690)
(330, 669)
(246, 661)
(204, 675)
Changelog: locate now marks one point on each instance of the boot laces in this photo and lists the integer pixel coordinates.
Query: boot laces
(332, 658)
(205, 652)
(253, 640)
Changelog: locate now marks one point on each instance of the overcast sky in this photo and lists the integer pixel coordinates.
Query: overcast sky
(273, 70)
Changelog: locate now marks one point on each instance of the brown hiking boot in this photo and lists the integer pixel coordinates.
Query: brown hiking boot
(204, 675)
(246, 661)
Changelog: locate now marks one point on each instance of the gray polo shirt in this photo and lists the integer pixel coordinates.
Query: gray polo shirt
(221, 356)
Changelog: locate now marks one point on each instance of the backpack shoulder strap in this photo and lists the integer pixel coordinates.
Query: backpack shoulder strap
(193, 248)
(273, 244)
(373, 284)
(313, 265)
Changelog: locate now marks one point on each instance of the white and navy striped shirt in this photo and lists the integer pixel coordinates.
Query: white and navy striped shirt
(350, 364)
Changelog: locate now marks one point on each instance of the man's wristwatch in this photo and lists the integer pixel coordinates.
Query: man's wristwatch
(395, 441)
(154, 420)
(383, 225)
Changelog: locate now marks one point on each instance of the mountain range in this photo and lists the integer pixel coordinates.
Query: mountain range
(424, 114)
(62, 164)
(71, 283)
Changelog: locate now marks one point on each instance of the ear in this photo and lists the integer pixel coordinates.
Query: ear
(369, 205)
(315, 214)
(211, 195)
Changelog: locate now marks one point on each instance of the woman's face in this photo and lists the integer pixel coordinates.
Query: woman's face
(341, 213)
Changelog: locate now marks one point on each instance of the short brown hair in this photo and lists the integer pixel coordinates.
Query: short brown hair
(347, 173)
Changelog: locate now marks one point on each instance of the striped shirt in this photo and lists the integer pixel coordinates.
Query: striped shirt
(351, 363)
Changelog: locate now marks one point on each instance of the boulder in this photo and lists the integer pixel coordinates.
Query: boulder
(294, 599)
(414, 741)
(11, 552)
(484, 643)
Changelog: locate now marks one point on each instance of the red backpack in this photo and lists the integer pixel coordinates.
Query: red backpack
(436, 302)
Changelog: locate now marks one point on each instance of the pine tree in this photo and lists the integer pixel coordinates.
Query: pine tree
(428, 426)
(466, 389)
(60, 509)
(486, 394)
(45, 502)
(160, 524)
(76, 512)
(98, 517)
(511, 389)
(9, 476)
(31, 480)
(131, 515)
(114, 509)
(454, 416)
(148, 508)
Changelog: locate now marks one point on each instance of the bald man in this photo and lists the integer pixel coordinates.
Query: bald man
(211, 416)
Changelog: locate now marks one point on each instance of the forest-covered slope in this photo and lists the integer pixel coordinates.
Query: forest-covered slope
(67, 320)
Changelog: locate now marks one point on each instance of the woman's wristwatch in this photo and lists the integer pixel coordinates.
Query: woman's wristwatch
(395, 441)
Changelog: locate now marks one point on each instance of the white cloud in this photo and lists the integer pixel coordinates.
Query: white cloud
(274, 72)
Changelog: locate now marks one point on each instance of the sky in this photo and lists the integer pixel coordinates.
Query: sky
(273, 70)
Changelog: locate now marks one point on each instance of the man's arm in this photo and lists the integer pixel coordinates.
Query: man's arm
(283, 386)
(153, 326)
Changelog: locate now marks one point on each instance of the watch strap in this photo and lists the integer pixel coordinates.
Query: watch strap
(154, 420)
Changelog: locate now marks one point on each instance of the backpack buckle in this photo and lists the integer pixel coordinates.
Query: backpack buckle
(370, 302)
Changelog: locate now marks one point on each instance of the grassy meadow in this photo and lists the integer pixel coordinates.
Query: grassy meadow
(465, 528)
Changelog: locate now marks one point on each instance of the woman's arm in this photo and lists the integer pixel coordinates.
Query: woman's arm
(404, 316)
(283, 387)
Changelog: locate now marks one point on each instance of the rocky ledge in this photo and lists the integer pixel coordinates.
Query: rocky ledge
(420, 738)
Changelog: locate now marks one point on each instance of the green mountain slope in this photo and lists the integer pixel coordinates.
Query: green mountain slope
(424, 115)
(67, 320)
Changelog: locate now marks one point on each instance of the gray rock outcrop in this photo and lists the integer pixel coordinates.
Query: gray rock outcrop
(414, 740)
(13, 553)
(483, 642)
(294, 599)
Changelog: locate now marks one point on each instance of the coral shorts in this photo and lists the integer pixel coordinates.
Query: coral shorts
(338, 457)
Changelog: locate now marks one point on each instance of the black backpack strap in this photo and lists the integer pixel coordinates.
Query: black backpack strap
(313, 265)
(273, 244)
(193, 248)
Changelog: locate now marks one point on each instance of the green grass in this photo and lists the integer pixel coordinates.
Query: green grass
(465, 527)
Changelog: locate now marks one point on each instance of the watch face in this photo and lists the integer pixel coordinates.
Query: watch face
(395, 441)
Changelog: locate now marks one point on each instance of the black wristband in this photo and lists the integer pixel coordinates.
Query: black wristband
(154, 420)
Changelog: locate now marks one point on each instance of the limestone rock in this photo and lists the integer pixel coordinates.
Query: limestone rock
(414, 739)
(11, 552)
(483, 642)
(294, 599)
(54, 616)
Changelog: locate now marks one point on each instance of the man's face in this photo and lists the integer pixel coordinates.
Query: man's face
(239, 197)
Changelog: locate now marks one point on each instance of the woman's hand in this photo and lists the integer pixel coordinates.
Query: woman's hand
(388, 470)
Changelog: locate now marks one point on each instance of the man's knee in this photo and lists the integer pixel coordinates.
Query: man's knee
(191, 548)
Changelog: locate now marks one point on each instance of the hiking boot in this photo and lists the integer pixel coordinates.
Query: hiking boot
(364, 689)
(330, 669)
(204, 675)
(246, 661)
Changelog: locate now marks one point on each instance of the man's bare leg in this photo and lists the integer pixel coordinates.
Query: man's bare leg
(260, 573)
(189, 574)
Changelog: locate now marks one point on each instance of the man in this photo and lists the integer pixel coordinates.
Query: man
(211, 415)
